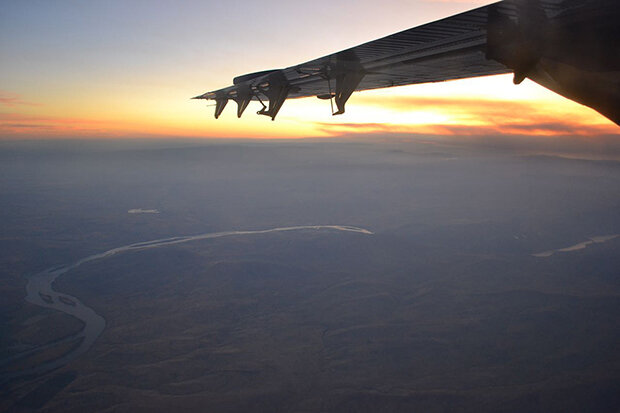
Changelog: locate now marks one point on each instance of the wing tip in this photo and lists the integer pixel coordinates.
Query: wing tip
(203, 96)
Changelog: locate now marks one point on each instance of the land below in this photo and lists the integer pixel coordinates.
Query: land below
(443, 308)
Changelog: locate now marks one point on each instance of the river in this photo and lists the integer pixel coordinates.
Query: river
(39, 291)
(579, 246)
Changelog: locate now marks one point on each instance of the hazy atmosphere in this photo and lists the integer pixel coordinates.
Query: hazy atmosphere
(443, 247)
(445, 294)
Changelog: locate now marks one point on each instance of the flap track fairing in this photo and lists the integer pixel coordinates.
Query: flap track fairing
(243, 96)
(220, 104)
(276, 88)
(348, 73)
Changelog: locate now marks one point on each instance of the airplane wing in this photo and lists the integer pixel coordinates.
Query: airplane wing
(568, 46)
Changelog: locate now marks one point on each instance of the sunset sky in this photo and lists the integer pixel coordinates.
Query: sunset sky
(71, 68)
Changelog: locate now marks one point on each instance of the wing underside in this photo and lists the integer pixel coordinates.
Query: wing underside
(456, 47)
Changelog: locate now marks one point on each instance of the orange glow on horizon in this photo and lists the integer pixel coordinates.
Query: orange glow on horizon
(126, 70)
(481, 106)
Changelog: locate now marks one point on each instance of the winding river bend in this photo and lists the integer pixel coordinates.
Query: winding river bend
(40, 292)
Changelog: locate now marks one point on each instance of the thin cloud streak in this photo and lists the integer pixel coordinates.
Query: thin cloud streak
(535, 129)
(15, 125)
(478, 116)
(480, 108)
(12, 100)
